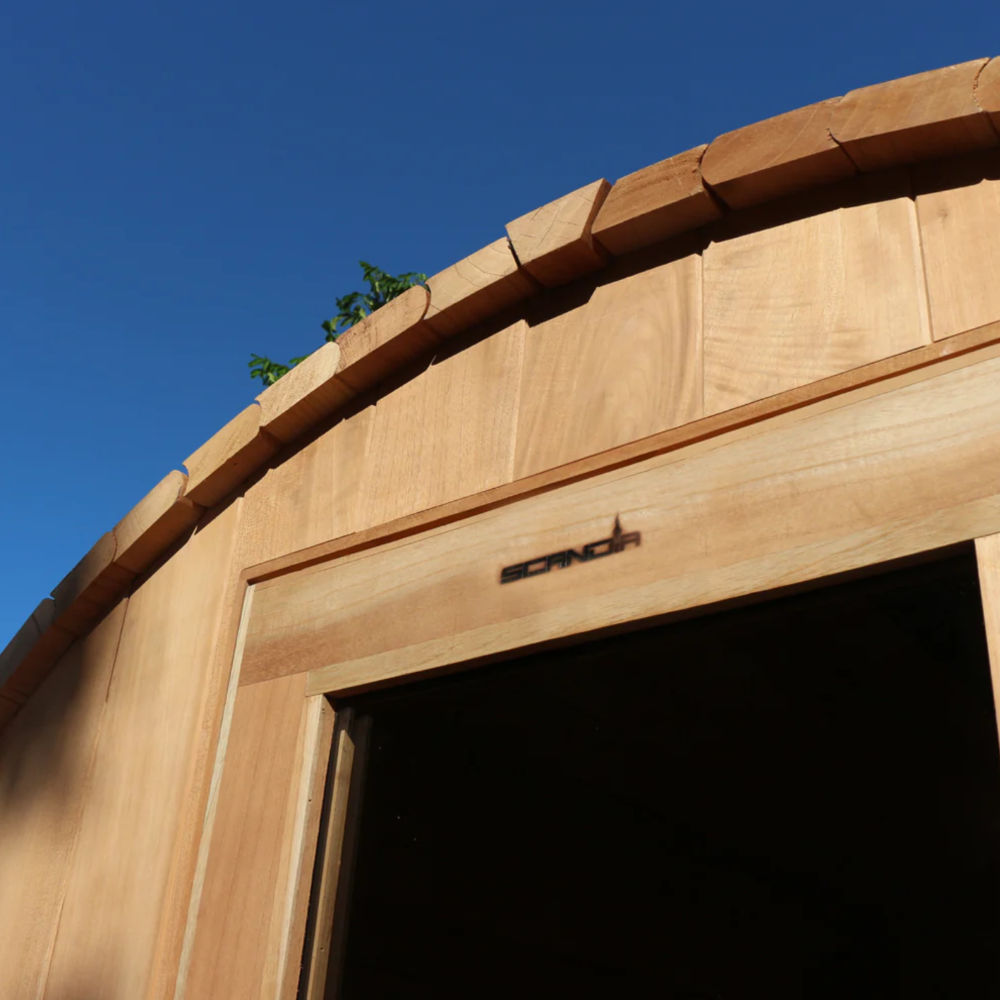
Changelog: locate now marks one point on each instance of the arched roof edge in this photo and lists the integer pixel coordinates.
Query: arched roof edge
(939, 113)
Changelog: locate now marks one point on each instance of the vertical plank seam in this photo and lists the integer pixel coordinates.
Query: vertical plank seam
(201, 866)
(986, 565)
(932, 333)
(703, 305)
(518, 423)
(309, 764)
(163, 971)
(975, 97)
(700, 334)
(523, 328)
(44, 971)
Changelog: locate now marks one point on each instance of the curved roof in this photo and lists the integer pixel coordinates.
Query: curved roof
(931, 115)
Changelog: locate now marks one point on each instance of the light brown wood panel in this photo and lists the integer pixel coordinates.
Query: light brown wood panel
(774, 158)
(622, 366)
(988, 91)
(331, 853)
(475, 288)
(386, 340)
(290, 906)
(90, 587)
(988, 558)
(45, 762)
(310, 497)
(148, 760)
(813, 492)
(156, 522)
(655, 203)
(228, 457)
(958, 205)
(981, 344)
(798, 301)
(303, 396)
(914, 118)
(553, 243)
(447, 432)
(252, 822)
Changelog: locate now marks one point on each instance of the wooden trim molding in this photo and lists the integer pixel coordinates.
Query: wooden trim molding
(892, 468)
(988, 560)
(879, 468)
(927, 116)
(939, 356)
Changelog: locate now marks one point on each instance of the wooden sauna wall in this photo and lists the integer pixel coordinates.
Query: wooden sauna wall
(99, 788)
(784, 296)
(104, 775)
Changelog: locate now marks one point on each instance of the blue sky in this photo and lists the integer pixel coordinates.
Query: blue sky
(182, 184)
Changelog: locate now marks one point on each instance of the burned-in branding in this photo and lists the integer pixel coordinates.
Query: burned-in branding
(618, 542)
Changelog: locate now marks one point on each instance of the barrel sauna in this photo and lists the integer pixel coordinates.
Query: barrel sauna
(618, 615)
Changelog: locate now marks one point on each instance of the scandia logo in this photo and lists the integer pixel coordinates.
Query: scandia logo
(618, 542)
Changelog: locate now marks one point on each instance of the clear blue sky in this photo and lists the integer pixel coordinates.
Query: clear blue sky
(182, 184)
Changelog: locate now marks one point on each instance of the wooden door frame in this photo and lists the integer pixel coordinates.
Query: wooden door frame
(903, 384)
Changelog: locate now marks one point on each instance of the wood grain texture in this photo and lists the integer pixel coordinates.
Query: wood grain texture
(624, 365)
(290, 908)
(251, 824)
(811, 494)
(988, 558)
(477, 287)
(306, 394)
(142, 780)
(178, 960)
(156, 522)
(312, 496)
(342, 860)
(330, 853)
(387, 340)
(447, 432)
(797, 302)
(656, 202)
(988, 91)
(958, 206)
(45, 761)
(228, 457)
(207, 749)
(90, 587)
(776, 157)
(970, 347)
(918, 117)
(554, 243)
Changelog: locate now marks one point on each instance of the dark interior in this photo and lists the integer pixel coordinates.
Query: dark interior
(798, 799)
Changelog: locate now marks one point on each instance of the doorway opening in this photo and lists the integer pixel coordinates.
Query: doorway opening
(797, 799)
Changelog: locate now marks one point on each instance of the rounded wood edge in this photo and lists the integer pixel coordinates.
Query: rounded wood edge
(235, 452)
(988, 91)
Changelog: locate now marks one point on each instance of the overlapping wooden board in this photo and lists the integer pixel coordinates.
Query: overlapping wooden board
(252, 823)
(447, 432)
(791, 303)
(311, 496)
(988, 558)
(958, 204)
(889, 470)
(45, 762)
(622, 365)
(145, 775)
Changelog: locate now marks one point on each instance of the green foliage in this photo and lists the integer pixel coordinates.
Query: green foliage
(382, 288)
(269, 371)
(351, 309)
